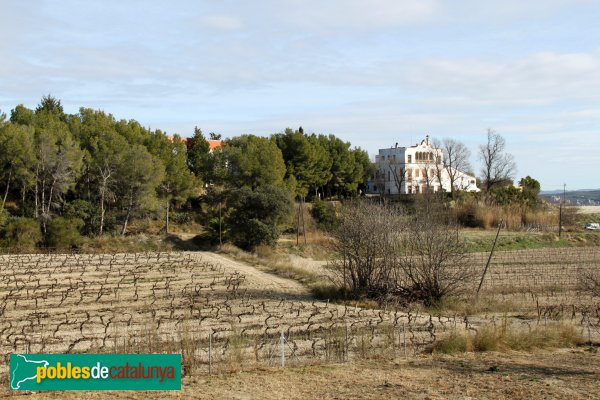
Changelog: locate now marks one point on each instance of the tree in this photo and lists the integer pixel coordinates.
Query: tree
(363, 169)
(350, 168)
(21, 115)
(530, 189)
(22, 233)
(214, 136)
(109, 152)
(253, 161)
(306, 160)
(498, 166)
(397, 171)
(529, 184)
(324, 214)
(16, 157)
(2, 118)
(106, 156)
(59, 162)
(178, 181)
(255, 215)
(138, 181)
(455, 160)
(51, 105)
(64, 233)
(198, 156)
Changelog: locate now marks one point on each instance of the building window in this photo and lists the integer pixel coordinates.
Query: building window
(416, 173)
(409, 158)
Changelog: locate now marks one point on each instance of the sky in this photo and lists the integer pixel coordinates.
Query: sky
(373, 72)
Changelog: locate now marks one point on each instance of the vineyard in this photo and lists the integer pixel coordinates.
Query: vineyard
(219, 317)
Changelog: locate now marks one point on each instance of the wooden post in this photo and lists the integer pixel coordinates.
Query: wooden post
(487, 265)
(303, 224)
(298, 226)
(282, 342)
(220, 226)
(404, 338)
(209, 352)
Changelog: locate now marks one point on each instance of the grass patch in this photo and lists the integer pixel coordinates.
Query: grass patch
(478, 240)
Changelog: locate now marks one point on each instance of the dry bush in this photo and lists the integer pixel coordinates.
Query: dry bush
(589, 282)
(434, 264)
(383, 253)
(367, 242)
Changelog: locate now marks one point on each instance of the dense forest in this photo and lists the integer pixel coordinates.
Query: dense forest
(65, 175)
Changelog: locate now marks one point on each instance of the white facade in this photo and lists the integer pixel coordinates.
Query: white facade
(415, 169)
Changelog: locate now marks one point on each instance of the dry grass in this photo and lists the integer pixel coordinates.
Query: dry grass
(275, 262)
(514, 217)
(508, 336)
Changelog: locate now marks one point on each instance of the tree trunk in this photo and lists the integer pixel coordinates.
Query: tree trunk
(36, 192)
(168, 206)
(50, 197)
(7, 186)
(44, 205)
(127, 215)
(102, 190)
(125, 222)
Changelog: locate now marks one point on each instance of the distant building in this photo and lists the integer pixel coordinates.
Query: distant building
(212, 144)
(415, 169)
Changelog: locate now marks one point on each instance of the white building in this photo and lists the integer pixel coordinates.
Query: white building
(416, 169)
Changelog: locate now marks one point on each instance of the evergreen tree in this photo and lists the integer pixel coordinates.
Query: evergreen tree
(139, 178)
(16, 158)
(198, 156)
(305, 160)
(254, 161)
(178, 182)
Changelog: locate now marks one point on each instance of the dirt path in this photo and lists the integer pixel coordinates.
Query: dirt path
(255, 279)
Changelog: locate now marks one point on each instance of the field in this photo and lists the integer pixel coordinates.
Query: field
(200, 303)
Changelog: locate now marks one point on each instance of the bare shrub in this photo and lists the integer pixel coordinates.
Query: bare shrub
(382, 252)
(434, 263)
(589, 281)
(367, 243)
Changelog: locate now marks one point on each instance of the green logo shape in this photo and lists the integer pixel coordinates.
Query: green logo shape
(95, 372)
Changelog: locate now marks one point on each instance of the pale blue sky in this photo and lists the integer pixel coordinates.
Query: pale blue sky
(373, 72)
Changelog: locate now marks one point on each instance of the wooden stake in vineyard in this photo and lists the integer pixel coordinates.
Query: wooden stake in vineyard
(487, 265)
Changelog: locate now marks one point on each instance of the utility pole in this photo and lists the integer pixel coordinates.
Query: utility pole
(220, 226)
(560, 213)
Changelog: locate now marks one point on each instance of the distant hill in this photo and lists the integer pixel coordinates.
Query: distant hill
(584, 197)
